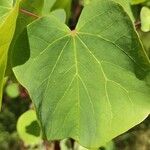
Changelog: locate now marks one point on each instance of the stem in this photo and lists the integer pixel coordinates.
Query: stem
(57, 145)
(29, 13)
(137, 24)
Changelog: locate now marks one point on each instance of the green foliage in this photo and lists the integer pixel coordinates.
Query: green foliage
(11, 110)
(7, 28)
(6, 3)
(63, 4)
(88, 84)
(86, 77)
(85, 2)
(110, 146)
(28, 128)
(19, 43)
(137, 1)
(124, 3)
(12, 90)
(48, 4)
(145, 19)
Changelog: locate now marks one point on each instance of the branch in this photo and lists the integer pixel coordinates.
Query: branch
(137, 24)
(29, 13)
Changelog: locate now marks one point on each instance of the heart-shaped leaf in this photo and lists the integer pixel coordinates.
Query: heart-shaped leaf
(82, 82)
(7, 28)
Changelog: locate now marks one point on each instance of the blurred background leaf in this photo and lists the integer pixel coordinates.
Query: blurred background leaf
(28, 128)
(145, 19)
(12, 90)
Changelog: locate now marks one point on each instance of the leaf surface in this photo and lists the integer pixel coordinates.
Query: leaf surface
(63, 4)
(5, 6)
(145, 19)
(19, 45)
(48, 4)
(82, 82)
(135, 2)
(126, 4)
(19, 50)
(7, 28)
(6, 3)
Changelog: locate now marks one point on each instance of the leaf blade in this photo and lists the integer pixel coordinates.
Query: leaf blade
(84, 85)
(8, 24)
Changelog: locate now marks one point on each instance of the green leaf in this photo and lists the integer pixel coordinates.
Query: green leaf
(59, 14)
(145, 19)
(85, 2)
(19, 43)
(12, 90)
(63, 4)
(56, 6)
(110, 146)
(147, 79)
(77, 146)
(6, 3)
(126, 4)
(48, 4)
(28, 128)
(4, 10)
(135, 2)
(7, 28)
(145, 37)
(82, 82)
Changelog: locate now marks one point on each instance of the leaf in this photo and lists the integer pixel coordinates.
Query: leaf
(79, 147)
(110, 146)
(135, 2)
(85, 2)
(145, 36)
(63, 4)
(126, 4)
(59, 14)
(19, 43)
(48, 4)
(55, 6)
(147, 79)
(7, 28)
(82, 82)
(12, 90)
(145, 19)
(4, 10)
(28, 128)
(6, 3)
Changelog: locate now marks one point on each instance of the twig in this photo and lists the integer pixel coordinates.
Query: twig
(29, 13)
(137, 24)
